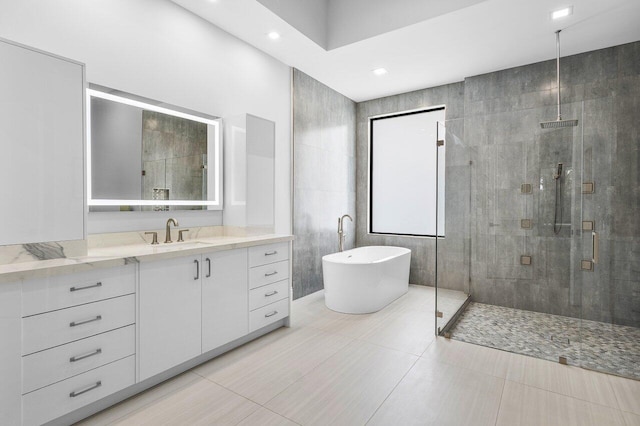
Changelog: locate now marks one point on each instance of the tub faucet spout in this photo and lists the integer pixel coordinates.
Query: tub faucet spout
(341, 233)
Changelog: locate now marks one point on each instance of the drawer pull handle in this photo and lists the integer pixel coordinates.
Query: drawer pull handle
(271, 274)
(273, 293)
(197, 277)
(85, 390)
(270, 314)
(271, 253)
(98, 284)
(74, 323)
(209, 265)
(81, 357)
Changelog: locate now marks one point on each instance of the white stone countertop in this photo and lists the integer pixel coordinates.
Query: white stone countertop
(116, 255)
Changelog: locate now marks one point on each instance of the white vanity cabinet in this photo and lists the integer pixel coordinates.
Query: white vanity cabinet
(170, 313)
(42, 136)
(224, 298)
(191, 305)
(78, 340)
(269, 284)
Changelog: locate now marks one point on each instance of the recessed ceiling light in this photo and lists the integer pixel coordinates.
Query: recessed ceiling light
(562, 13)
(379, 71)
(273, 35)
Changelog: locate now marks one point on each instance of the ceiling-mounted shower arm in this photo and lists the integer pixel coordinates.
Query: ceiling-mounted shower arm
(558, 71)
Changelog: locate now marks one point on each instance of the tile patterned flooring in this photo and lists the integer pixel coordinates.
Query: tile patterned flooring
(385, 368)
(594, 345)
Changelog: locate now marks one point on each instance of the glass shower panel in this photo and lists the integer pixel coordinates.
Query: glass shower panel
(453, 249)
(610, 244)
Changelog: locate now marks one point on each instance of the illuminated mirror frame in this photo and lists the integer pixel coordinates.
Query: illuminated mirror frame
(215, 204)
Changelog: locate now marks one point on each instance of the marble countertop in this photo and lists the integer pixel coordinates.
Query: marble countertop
(116, 255)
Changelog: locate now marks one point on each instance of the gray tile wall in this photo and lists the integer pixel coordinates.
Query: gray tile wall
(324, 177)
(602, 90)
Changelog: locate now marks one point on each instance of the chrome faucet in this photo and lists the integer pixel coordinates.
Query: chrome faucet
(167, 237)
(341, 233)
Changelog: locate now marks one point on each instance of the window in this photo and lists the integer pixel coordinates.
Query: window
(404, 169)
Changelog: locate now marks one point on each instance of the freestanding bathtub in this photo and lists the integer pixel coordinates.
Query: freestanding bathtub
(365, 279)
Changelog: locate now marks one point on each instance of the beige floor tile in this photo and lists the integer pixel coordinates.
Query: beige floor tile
(346, 389)
(199, 403)
(434, 393)
(141, 400)
(631, 419)
(627, 393)
(264, 417)
(262, 374)
(474, 357)
(571, 381)
(410, 332)
(526, 405)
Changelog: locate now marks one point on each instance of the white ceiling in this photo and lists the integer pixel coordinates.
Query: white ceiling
(444, 47)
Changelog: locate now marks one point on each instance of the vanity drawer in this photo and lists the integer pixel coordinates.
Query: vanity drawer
(268, 253)
(53, 365)
(261, 296)
(62, 291)
(63, 397)
(267, 274)
(268, 314)
(66, 325)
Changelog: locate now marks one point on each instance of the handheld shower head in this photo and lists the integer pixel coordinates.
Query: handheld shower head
(558, 172)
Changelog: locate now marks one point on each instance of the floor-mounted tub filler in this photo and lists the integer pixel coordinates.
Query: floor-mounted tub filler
(365, 279)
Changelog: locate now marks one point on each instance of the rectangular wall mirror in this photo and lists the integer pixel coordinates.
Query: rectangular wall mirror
(148, 156)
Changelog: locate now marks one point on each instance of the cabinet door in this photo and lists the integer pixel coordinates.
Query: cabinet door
(225, 302)
(170, 314)
(42, 136)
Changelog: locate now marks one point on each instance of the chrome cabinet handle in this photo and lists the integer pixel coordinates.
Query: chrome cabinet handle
(81, 357)
(76, 323)
(209, 265)
(197, 277)
(271, 274)
(271, 253)
(273, 293)
(85, 390)
(595, 243)
(98, 284)
(270, 314)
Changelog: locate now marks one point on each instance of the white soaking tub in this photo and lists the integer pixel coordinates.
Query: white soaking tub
(365, 279)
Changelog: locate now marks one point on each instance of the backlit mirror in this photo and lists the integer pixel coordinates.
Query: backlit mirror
(145, 155)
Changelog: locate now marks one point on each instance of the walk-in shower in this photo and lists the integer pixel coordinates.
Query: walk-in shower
(522, 242)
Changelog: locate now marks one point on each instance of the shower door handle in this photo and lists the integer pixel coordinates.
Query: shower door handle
(595, 247)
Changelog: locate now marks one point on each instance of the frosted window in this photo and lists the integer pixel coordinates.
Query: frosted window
(402, 173)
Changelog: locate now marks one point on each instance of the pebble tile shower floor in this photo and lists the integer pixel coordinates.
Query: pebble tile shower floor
(591, 344)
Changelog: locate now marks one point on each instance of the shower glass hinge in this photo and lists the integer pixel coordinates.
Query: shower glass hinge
(562, 360)
(588, 187)
(526, 188)
(586, 265)
(440, 142)
(588, 225)
(439, 314)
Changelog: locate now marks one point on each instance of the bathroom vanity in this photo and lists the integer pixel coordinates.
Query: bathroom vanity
(80, 334)
(102, 317)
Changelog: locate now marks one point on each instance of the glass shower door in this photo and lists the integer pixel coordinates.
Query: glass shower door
(453, 244)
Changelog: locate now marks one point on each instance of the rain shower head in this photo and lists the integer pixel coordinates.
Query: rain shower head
(559, 122)
(556, 124)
